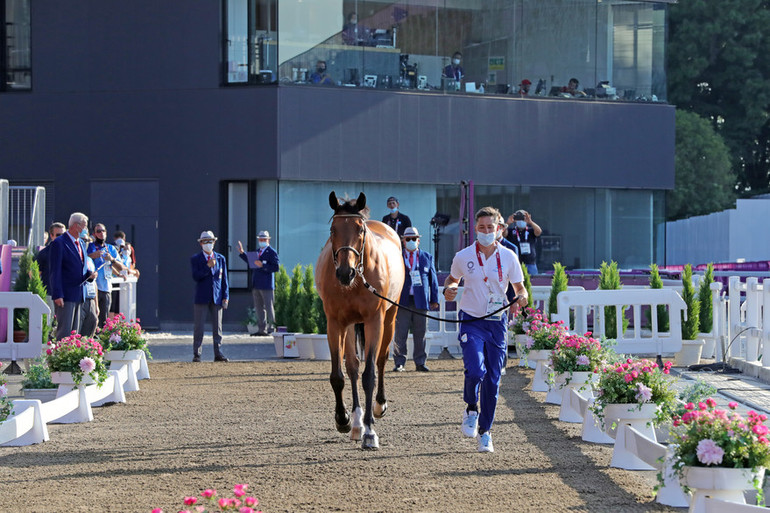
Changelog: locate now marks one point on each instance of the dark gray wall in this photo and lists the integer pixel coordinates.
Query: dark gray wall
(333, 134)
(132, 90)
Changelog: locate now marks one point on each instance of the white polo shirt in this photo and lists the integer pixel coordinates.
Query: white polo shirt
(476, 292)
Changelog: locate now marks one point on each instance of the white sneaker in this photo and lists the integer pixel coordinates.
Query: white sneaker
(485, 442)
(470, 423)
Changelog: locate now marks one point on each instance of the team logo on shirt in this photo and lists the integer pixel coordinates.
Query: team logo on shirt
(471, 266)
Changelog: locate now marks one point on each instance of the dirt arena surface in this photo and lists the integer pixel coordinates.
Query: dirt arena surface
(270, 424)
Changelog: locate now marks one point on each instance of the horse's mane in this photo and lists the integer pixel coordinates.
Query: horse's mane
(348, 206)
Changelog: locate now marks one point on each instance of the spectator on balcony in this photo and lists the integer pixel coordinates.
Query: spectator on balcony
(354, 33)
(44, 254)
(106, 258)
(68, 273)
(319, 76)
(524, 87)
(571, 89)
(454, 70)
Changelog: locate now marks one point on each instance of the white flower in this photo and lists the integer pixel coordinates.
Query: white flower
(3, 390)
(87, 365)
(644, 393)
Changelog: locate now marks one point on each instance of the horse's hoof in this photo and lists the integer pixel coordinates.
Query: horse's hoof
(355, 434)
(371, 442)
(379, 409)
(344, 428)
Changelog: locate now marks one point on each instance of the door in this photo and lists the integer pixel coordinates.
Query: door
(133, 207)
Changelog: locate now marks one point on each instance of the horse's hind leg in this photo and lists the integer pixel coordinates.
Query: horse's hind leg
(381, 406)
(352, 365)
(337, 379)
(373, 331)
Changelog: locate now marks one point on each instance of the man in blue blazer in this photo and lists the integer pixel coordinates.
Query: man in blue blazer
(420, 292)
(262, 282)
(209, 270)
(68, 273)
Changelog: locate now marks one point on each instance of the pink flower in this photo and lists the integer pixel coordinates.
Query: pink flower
(208, 493)
(3, 390)
(157, 510)
(644, 393)
(87, 365)
(732, 404)
(224, 502)
(629, 378)
(583, 360)
(250, 501)
(759, 429)
(189, 501)
(712, 403)
(246, 509)
(709, 453)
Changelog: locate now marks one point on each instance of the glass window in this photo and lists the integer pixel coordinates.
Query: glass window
(15, 55)
(237, 230)
(250, 46)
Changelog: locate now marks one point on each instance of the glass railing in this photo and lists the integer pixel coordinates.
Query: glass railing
(613, 49)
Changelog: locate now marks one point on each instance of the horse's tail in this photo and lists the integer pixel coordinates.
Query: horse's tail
(360, 339)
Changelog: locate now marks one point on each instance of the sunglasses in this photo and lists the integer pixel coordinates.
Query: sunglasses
(408, 239)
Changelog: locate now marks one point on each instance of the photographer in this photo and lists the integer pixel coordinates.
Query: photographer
(523, 233)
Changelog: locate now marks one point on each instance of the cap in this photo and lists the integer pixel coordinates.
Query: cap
(519, 215)
(207, 235)
(411, 232)
(526, 82)
(264, 234)
(392, 198)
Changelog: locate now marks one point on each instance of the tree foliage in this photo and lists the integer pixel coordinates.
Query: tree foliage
(691, 324)
(705, 182)
(706, 304)
(609, 279)
(718, 68)
(657, 283)
(558, 284)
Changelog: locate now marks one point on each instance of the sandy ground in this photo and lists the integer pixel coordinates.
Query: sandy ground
(270, 424)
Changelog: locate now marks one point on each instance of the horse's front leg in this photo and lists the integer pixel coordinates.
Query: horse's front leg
(381, 406)
(373, 330)
(352, 365)
(337, 378)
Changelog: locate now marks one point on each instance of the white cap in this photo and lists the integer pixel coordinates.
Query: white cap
(411, 232)
(264, 234)
(207, 235)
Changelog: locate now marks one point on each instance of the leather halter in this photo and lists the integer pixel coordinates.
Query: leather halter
(360, 254)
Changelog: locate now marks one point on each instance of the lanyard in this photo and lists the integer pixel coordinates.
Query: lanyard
(481, 264)
(526, 234)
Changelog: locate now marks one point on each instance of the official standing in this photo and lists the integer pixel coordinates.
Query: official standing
(419, 293)
(262, 282)
(68, 273)
(209, 270)
(395, 219)
(487, 269)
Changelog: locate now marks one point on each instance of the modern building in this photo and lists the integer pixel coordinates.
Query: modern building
(167, 118)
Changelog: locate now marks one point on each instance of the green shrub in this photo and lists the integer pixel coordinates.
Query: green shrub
(609, 279)
(527, 285)
(657, 283)
(281, 296)
(294, 312)
(307, 302)
(691, 325)
(558, 284)
(704, 298)
(38, 376)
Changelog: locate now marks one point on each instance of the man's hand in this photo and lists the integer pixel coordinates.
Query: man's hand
(91, 276)
(58, 302)
(450, 293)
(211, 262)
(527, 217)
(240, 247)
(224, 304)
(258, 263)
(434, 306)
(510, 219)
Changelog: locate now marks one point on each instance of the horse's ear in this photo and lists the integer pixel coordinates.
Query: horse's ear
(361, 202)
(333, 201)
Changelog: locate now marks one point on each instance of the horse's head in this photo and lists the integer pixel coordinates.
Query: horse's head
(348, 236)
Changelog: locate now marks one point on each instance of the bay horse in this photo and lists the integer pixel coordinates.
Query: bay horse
(359, 249)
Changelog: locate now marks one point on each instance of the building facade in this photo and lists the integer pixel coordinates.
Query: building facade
(164, 119)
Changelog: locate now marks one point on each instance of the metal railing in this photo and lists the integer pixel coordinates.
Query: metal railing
(25, 221)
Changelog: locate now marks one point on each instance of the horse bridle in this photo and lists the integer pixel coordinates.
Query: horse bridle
(360, 267)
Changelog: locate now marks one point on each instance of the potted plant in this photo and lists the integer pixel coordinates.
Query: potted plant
(544, 337)
(657, 283)
(76, 360)
(574, 364)
(609, 279)
(6, 407)
(308, 318)
(691, 346)
(706, 313)
(37, 382)
(720, 453)
(251, 321)
(637, 392)
(558, 284)
(119, 335)
(210, 501)
(519, 326)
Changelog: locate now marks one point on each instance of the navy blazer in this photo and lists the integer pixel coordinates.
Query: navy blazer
(67, 271)
(423, 295)
(262, 277)
(209, 287)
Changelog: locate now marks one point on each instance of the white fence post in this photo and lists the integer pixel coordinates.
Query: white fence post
(753, 297)
(734, 316)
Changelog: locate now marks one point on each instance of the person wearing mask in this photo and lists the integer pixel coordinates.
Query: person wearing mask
(454, 70)
(212, 293)
(89, 311)
(395, 219)
(68, 273)
(106, 258)
(510, 294)
(420, 292)
(54, 231)
(319, 76)
(524, 87)
(262, 282)
(524, 232)
(486, 268)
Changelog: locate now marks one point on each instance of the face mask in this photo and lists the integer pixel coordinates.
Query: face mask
(411, 245)
(456, 62)
(486, 239)
(263, 244)
(208, 247)
(321, 70)
(98, 240)
(499, 234)
(393, 210)
(84, 233)
(521, 224)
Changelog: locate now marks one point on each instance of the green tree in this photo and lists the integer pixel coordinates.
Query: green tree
(21, 315)
(320, 314)
(558, 284)
(718, 67)
(609, 279)
(657, 283)
(691, 325)
(307, 309)
(705, 182)
(706, 315)
(294, 312)
(281, 298)
(527, 285)
(35, 285)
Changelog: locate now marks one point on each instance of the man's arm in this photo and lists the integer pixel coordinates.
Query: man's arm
(535, 228)
(450, 287)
